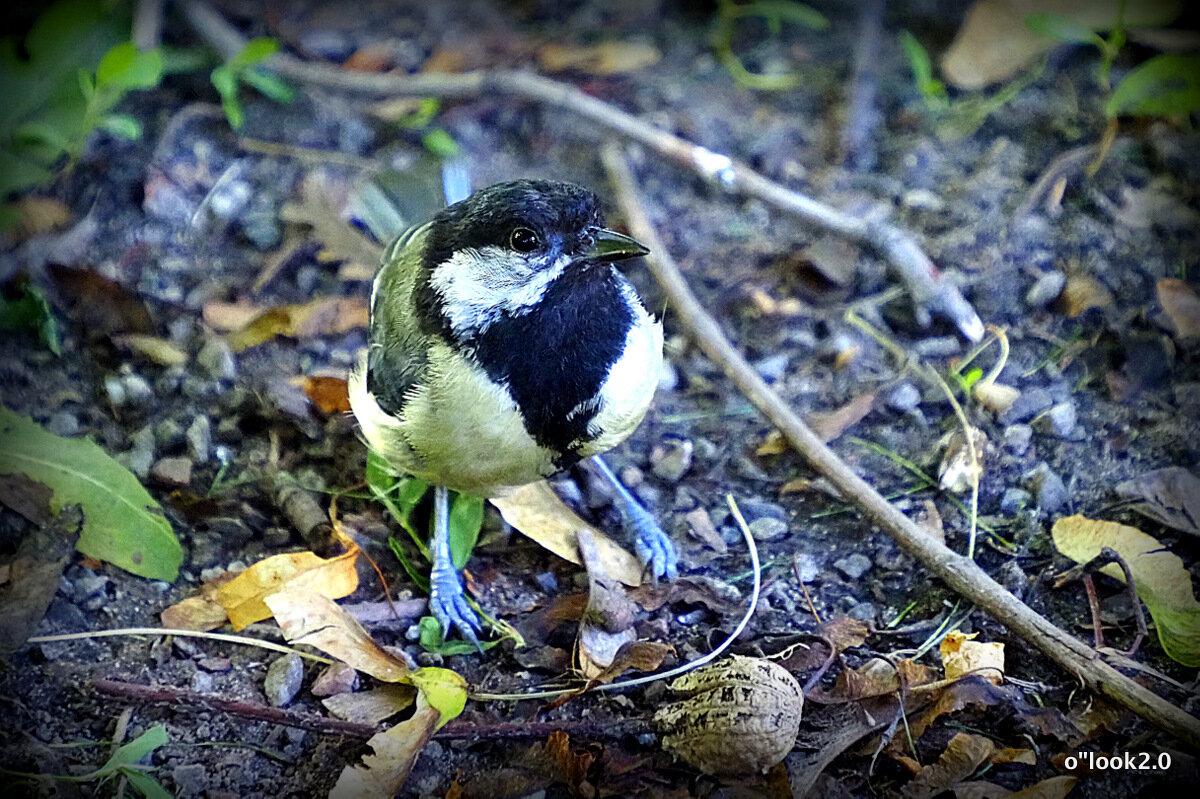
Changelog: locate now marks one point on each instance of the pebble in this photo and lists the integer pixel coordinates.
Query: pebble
(1058, 420)
(114, 389)
(1015, 500)
(922, 200)
(853, 566)
(1031, 402)
(137, 390)
(190, 779)
(938, 347)
(547, 582)
(169, 435)
(772, 367)
(1017, 438)
(232, 531)
(904, 398)
(754, 508)
(202, 681)
(283, 679)
(89, 590)
(276, 537)
(668, 376)
(1013, 578)
(63, 423)
(199, 439)
(216, 359)
(140, 456)
(768, 529)
(1049, 491)
(807, 567)
(692, 617)
(1045, 289)
(218, 665)
(174, 472)
(863, 611)
(337, 678)
(204, 551)
(260, 225)
(671, 458)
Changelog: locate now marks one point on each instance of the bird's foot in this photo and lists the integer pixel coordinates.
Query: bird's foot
(448, 604)
(654, 547)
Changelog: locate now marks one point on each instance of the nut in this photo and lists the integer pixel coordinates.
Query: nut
(738, 716)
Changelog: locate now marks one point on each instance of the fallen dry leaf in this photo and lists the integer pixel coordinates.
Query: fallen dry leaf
(572, 767)
(34, 575)
(607, 624)
(307, 617)
(1182, 305)
(961, 655)
(100, 306)
(700, 523)
(35, 215)
(958, 471)
(638, 655)
(1161, 580)
(996, 397)
(1082, 292)
(828, 425)
(1052, 788)
(320, 206)
(330, 395)
(537, 512)
(320, 317)
(963, 754)
(243, 597)
(1170, 496)
(373, 706)
(159, 350)
(604, 58)
(394, 752)
(225, 317)
(201, 612)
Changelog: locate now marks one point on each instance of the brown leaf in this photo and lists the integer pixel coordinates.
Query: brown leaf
(159, 350)
(27, 497)
(243, 597)
(373, 706)
(394, 752)
(608, 621)
(713, 594)
(829, 425)
(960, 655)
(34, 574)
(101, 306)
(537, 512)
(702, 527)
(329, 394)
(640, 655)
(320, 317)
(323, 199)
(1082, 292)
(1052, 788)
(35, 215)
(844, 632)
(605, 58)
(1170, 495)
(228, 316)
(201, 612)
(964, 754)
(1182, 305)
(307, 617)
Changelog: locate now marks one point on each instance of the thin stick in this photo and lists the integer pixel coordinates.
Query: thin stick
(931, 292)
(161, 631)
(960, 573)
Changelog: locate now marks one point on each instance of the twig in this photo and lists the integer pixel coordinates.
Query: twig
(960, 573)
(304, 512)
(147, 24)
(931, 292)
(862, 117)
(458, 729)
(1085, 571)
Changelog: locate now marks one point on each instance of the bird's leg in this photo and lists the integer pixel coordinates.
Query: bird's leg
(653, 546)
(447, 602)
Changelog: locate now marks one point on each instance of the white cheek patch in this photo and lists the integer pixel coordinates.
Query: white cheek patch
(478, 287)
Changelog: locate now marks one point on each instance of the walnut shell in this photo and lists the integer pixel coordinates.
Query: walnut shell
(739, 715)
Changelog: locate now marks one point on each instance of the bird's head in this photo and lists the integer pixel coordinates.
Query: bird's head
(497, 253)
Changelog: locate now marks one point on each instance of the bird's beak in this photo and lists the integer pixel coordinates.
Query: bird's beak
(609, 245)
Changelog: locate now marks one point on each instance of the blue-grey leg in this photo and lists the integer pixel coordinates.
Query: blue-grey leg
(652, 544)
(447, 602)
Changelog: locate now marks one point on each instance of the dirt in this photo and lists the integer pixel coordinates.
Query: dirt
(189, 215)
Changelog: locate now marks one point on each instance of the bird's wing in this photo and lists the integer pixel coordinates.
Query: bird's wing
(397, 358)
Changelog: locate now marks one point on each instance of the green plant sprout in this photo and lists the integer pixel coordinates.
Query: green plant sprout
(243, 69)
(775, 12)
(124, 763)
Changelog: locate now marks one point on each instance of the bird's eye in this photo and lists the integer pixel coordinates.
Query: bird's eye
(523, 240)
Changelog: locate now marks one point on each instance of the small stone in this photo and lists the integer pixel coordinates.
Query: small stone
(202, 682)
(671, 458)
(1031, 402)
(853, 566)
(863, 611)
(1015, 500)
(904, 398)
(807, 567)
(692, 617)
(190, 779)
(922, 200)
(1013, 578)
(1045, 289)
(232, 531)
(199, 439)
(63, 423)
(768, 529)
(668, 376)
(1017, 438)
(1049, 491)
(137, 390)
(283, 679)
(755, 508)
(276, 537)
(216, 358)
(114, 390)
(1058, 420)
(772, 367)
(337, 678)
(169, 435)
(173, 472)
(140, 456)
(547, 582)
(430, 658)
(216, 665)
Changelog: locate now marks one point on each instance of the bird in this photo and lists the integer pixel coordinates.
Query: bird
(504, 346)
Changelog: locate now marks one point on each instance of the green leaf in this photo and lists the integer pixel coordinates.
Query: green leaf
(122, 125)
(788, 11)
(1165, 85)
(122, 523)
(125, 68)
(233, 112)
(184, 59)
(1062, 28)
(255, 50)
(434, 640)
(466, 517)
(225, 80)
(414, 574)
(133, 752)
(86, 87)
(31, 311)
(440, 143)
(444, 690)
(144, 784)
(269, 85)
(18, 173)
(971, 378)
(929, 87)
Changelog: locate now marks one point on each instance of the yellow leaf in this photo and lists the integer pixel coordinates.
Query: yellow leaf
(243, 596)
(1182, 305)
(159, 350)
(444, 689)
(1083, 292)
(537, 512)
(1159, 576)
(961, 655)
(604, 58)
(395, 750)
(319, 317)
(307, 617)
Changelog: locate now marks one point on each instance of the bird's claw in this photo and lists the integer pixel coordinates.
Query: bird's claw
(654, 548)
(448, 604)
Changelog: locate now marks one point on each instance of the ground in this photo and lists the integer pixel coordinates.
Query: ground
(187, 217)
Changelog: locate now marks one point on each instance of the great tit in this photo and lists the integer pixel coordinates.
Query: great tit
(504, 347)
